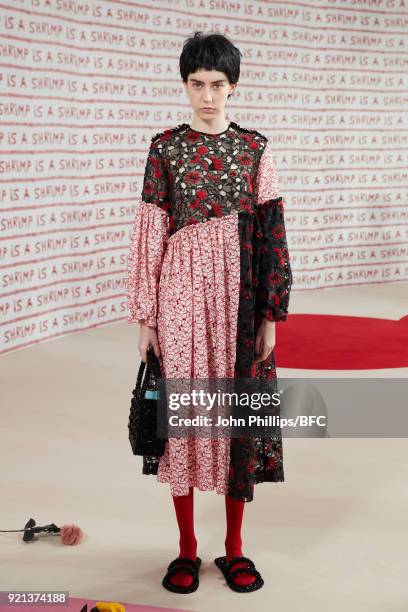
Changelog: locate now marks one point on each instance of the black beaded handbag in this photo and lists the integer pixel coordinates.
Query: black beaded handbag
(144, 409)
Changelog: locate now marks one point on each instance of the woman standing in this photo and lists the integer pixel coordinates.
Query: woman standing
(208, 277)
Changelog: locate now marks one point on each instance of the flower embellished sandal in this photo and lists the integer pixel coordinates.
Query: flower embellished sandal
(229, 575)
(189, 567)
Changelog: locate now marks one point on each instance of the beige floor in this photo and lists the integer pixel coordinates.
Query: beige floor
(331, 537)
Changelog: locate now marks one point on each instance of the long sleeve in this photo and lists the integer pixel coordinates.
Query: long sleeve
(148, 242)
(274, 271)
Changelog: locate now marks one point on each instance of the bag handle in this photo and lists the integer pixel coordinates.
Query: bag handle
(152, 363)
(140, 374)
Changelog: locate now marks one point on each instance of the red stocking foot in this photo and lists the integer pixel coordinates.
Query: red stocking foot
(182, 578)
(182, 575)
(241, 579)
(240, 573)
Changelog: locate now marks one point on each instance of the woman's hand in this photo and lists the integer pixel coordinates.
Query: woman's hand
(265, 340)
(147, 337)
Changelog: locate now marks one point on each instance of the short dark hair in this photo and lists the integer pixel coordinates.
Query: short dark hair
(210, 51)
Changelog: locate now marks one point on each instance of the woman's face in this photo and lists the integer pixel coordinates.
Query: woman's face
(208, 91)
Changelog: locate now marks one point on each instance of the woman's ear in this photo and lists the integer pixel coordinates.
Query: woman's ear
(233, 87)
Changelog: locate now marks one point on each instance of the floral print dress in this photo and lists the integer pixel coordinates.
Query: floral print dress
(208, 259)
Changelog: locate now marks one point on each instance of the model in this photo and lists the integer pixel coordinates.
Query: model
(208, 276)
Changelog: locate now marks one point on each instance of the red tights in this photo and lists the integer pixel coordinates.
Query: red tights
(234, 510)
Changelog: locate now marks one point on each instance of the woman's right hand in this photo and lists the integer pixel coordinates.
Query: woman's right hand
(147, 337)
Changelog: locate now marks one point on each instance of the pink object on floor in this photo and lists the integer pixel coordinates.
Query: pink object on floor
(71, 535)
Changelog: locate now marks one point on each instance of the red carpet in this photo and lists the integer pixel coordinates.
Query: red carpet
(332, 342)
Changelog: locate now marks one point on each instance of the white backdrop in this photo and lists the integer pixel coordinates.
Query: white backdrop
(84, 85)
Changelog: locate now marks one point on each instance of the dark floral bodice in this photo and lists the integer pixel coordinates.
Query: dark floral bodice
(195, 176)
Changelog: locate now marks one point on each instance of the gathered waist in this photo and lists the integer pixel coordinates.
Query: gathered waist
(203, 226)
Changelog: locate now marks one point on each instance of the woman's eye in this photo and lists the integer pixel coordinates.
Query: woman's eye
(198, 85)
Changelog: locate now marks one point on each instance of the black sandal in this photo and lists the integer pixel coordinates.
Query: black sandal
(187, 565)
(225, 567)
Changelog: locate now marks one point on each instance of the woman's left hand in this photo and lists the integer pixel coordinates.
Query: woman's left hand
(265, 340)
